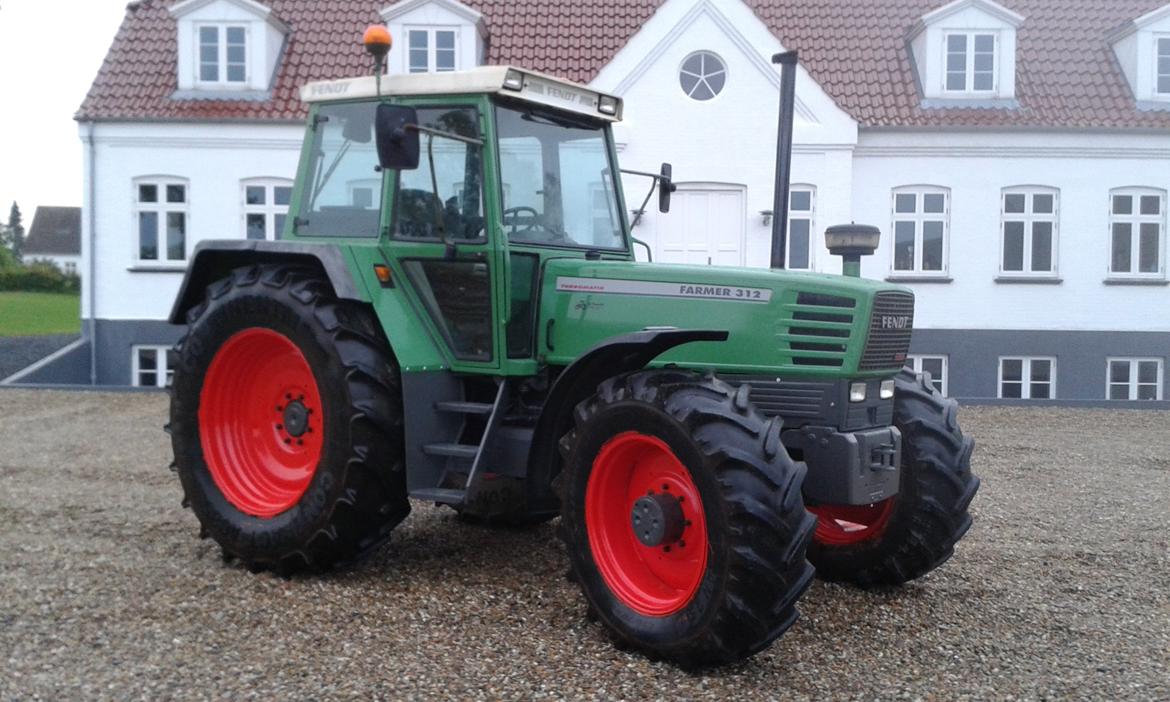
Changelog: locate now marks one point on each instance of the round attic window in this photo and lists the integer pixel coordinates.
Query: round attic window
(702, 75)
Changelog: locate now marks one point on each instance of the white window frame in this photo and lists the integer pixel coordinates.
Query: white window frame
(1158, 41)
(1133, 383)
(269, 209)
(163, 372)
(811, 215)
(1026, 377)
(161, 207)
(1135, 219)
(969, 68)
(918, 217)
(221, 72)
(1029, 217)
(432, 48)
(914, 363)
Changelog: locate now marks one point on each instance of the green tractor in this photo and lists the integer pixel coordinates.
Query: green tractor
(454, 314)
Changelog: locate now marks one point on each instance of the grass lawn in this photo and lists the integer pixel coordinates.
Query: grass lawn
(33, 313)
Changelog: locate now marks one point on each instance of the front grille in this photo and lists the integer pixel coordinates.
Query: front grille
(890, 327)
(792, 400)
(819, 328)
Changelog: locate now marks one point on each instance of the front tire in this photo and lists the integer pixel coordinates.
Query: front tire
(914, 532)
(683, 519)
(286, 422)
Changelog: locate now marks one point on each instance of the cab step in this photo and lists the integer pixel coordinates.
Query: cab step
(445, 496)
(467, 451)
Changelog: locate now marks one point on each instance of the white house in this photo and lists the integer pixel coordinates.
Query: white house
(55, 236)
(1016, 156)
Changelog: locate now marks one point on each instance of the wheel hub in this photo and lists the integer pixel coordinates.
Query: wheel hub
(296, 418)
(657, 519)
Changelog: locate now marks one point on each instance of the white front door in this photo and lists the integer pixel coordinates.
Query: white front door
(705, 226)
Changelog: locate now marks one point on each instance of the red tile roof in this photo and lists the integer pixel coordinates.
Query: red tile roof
(1067, 75)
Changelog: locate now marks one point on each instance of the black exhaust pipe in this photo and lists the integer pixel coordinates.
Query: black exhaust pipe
(787, 61)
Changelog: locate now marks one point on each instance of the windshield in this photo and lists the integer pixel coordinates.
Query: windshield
(557, 182)
(343, 196)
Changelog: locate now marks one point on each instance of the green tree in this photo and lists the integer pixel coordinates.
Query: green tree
(15, 233)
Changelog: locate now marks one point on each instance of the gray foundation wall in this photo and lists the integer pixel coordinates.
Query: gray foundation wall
(972, 355)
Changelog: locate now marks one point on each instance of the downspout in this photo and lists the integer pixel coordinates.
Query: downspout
(92, 273)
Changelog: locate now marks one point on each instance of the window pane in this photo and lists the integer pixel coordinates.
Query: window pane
(1040, 391)
(148, 193)
(1042, 203)
(702, 91)
(956, 81)
(147, 359)
(1011, 391)
(208, 72)
(904, 246)
(1122, 204)
(956, 63)
(148, 236)
(1151, 204)
(801, 200)
(933, 366)
(984, 63)
(278, 225)
(934, 202)
(904, 202)
(1147, 371)
(1119, 371)
(1013, 369)
(254, 195)
(1014, 202)
(345, 156)
(417, 41)
(255, 227)
(1147, 392)
(1013, 246)
(932, 246)
(1121, 247)
(1148, 248)
(1118, 392)
(176, 193)
(209, 53)
(1164, 83)
(1041, 371)
(236, 73)
(281, 194)
(798, 243)
(176, 236)
(688, 82)
(984, 81)
(1042, 246)
(984, 43)
(235, 35)
(957, 43)
(445, 40)
(444, 60)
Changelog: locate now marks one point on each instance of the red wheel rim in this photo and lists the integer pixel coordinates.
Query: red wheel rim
(842, 525)
(260, 422)
(651, 580)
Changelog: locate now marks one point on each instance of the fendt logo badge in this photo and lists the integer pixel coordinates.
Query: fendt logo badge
(895, 321)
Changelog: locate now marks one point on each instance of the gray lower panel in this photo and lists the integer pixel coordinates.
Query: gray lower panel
(115, 338)
(973, 357)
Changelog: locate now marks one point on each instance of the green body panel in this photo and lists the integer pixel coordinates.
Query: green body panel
(568, 323)
(759, 330)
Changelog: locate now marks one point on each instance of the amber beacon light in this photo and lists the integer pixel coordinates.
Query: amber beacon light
(377, 41)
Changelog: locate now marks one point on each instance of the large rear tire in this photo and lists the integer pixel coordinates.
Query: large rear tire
(683, 519)
(286, 422)
(915, 531)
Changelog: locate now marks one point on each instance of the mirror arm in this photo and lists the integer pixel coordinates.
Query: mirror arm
(445, 135)
(655, 179)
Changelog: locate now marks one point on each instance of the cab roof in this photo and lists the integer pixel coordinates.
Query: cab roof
(517, 83)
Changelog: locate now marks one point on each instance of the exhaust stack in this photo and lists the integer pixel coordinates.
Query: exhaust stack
(787, 61)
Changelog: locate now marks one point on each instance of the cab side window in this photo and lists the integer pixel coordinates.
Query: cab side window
(443, 197)
(343, 192)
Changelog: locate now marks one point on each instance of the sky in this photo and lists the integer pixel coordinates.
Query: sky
(50, 51)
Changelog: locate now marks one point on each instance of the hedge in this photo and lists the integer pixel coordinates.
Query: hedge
(39, 276)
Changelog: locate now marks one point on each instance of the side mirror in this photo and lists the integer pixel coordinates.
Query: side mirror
(665, 188)
(398, 146)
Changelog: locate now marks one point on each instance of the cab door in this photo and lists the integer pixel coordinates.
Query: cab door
(438, 233)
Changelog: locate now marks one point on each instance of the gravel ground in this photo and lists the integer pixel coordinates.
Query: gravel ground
(18, 352)
(1061, 590)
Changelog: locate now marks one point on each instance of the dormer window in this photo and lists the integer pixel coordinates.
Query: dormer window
(970, 62)
(432, 50)
(1162, 86)
(965, 51)
(223, 54)
(226, 48)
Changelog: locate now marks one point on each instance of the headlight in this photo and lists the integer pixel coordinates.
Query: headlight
(887, 389)
(857, 392)
(514, 80)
